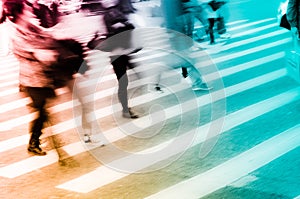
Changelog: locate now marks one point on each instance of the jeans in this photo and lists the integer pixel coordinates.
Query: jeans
(39, 97)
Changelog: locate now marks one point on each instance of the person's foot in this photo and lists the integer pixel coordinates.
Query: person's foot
(36, 150)
(225, 36)
(93, 139)
(130, 114)
(201, 87)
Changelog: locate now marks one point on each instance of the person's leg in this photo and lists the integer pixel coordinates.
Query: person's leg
(201, 16)
(88, 122)
(39, 98)
(120, 64)
(195, 76)
(221, 25)
(211, 30)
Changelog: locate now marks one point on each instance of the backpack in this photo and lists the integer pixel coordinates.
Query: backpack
(119, 37)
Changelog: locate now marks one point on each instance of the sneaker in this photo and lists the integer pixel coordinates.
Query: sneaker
(130, 114)
(93, 140)
(201, 87)
(36, 150)
(225, 36)
(155, 89)
(158, 89)
(86, 138)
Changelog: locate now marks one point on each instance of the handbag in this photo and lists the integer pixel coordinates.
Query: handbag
(284, 22)
(215, 5)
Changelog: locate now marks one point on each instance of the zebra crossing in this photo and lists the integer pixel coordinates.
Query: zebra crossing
(185, 145)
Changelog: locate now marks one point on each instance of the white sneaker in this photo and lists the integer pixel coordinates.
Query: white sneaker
(94, 140)
(201, 87)
(225, 36)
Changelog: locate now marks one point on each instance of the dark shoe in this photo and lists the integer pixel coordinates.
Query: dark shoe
(184, 72)
(158, 89)
(36, 150)
(130, 114)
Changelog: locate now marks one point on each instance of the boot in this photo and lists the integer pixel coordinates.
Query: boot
(34, 147)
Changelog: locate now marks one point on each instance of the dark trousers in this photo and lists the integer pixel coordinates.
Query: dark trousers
(221, 25)
(39, 97)
(211, 29)
(120, 64)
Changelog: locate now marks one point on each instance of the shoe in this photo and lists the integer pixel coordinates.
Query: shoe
(158, 89)
(86, 138)
(225, 36)
(201, 87)
(36, 150)
(130, 114)
(155, 89)
(93, 140)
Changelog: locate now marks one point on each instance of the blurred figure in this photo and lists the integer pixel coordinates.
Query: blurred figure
(2, 13)
(45, 64)
(292, 14)
(29, 42)
(126, 6)
(116, 21)
(175, 21)
(221, 20)
(212, 9)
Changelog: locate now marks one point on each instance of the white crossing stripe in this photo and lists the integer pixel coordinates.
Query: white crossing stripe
(255, 23)
(233, 169)
(231, 121)
(69, 124)
(116, 134)
(244, 52)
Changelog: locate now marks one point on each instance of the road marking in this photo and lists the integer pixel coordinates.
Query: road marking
(255, 30)
(235, 168)
(116, 133)
(243, 53)
(67, 125)
(251, 24)
(231, 121)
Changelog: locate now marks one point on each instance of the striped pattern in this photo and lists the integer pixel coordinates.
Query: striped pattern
(246, 124)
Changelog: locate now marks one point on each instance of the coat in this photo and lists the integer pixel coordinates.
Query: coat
(44, 61)
(292, 13)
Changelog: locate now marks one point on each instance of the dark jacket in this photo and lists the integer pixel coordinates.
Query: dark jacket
(292, 13)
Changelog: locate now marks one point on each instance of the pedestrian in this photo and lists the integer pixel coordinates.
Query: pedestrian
(45, 65)
(293, 17)
(181, 43)
(29, 42)
(222, 17)
(116, 21)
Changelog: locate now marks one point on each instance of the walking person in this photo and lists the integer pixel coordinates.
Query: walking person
(44, 65)
(221, 20)
(212, 12)
(293, 17)
(116, 21)
(181, 43)
(29, 42)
